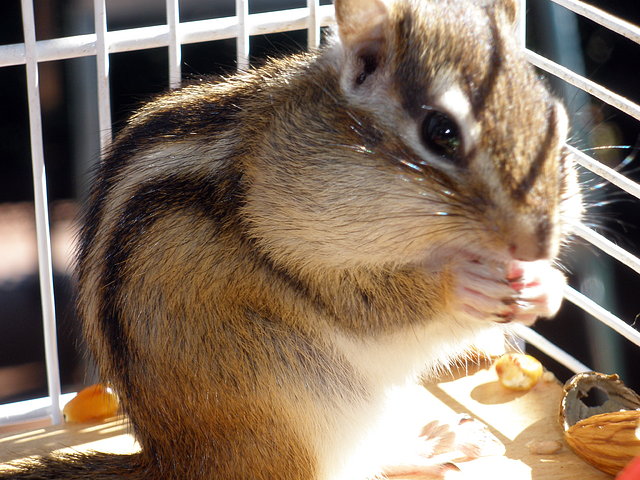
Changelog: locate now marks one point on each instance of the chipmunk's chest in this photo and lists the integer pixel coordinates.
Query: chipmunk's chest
(397, 358)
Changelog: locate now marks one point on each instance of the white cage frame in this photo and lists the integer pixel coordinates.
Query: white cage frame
(173, 35)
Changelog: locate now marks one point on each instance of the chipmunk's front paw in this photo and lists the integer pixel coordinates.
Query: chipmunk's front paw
(440, 446)
(518, 292)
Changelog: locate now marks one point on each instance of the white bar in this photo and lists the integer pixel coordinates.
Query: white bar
(534, 338)
(604, 94)
(29, 410)
(41, 212)
(175, 51)
(158, 35)
(102, 61)
(242, 39)
(608, 246)
(47, 50)
(141, 38)
(602, 314)
(618, 25)
(286, 21)
(313, 30)
(605, 172)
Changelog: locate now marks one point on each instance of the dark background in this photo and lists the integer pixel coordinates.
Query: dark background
(71, 136)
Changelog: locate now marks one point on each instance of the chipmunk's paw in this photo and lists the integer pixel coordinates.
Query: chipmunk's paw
(518, 292)
(440, 446)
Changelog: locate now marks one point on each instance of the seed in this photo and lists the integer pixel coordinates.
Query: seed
(93, 403)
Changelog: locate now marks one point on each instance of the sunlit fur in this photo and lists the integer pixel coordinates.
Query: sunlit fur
(264, 258)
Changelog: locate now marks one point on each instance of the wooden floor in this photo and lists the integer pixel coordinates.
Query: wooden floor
(515, 418)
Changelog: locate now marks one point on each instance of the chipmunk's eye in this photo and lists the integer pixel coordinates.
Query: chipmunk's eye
(441, 135)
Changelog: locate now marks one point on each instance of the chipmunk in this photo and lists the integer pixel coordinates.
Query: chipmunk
(264, 258)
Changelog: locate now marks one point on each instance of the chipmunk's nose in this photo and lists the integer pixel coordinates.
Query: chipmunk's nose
(525, 252)
(534, 241)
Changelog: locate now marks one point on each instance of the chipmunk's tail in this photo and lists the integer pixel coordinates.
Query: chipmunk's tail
(79, 466)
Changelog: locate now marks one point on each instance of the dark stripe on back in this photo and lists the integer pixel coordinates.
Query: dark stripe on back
(161, 126)
(216, 198)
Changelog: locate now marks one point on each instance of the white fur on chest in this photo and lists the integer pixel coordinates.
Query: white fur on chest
(366, 435)
(394, 359)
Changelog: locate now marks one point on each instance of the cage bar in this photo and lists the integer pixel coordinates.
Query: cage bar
(604, 94)
(102, 65)
(43, 236)
(242, 38)
(608, 247)
(616, 24)
(605, 172)
(143, 38)
(602, 314)
(541, 343)
(175, 57)
(313, 28)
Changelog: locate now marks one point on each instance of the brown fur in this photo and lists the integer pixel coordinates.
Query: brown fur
(242, 234)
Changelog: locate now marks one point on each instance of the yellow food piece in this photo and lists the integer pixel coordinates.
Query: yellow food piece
(518, 371)
(93, 403)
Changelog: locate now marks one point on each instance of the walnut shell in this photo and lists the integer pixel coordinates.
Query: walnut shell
(606, 435)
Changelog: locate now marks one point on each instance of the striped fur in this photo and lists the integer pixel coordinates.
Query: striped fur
(263, 258)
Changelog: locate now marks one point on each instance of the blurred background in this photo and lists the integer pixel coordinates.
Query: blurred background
(70, 124)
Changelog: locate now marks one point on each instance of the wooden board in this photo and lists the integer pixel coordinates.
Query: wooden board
(109, 436)
(515, 418)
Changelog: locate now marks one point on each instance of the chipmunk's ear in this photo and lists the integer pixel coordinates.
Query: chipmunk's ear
(363, 26)
(361, 22)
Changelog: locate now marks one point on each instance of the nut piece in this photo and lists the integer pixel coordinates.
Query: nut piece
(93, 403)
(544, 447)
(518, 371)
(549, 377)
(608, 441)
(606, 435)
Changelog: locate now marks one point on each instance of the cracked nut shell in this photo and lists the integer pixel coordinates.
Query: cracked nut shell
(606, 435)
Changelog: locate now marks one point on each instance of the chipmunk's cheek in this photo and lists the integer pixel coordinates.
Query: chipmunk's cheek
(519, 292)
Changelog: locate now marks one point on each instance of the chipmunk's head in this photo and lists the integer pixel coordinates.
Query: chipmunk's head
(481, 131)
(447, 137)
